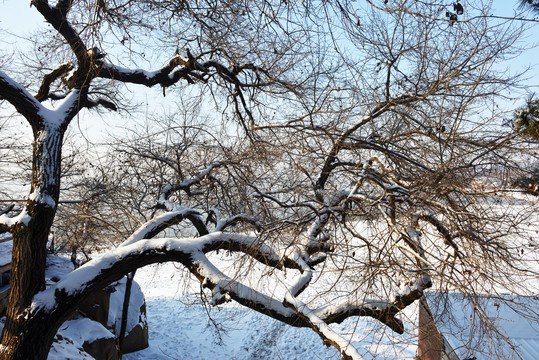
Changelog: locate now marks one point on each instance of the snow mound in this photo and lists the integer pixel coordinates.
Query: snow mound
(72, 335)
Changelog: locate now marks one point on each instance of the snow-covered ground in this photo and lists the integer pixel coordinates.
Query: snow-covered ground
(181, 328)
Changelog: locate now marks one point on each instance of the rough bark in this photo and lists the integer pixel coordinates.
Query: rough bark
(29, 244)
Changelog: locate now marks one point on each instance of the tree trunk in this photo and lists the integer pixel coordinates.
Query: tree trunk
(29, 243)
(33, 343)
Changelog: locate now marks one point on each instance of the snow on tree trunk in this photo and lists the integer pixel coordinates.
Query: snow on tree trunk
(29, 246)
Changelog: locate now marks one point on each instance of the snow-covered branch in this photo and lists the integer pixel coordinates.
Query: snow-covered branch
(35, 113)
(329, 336)
(7, 223)
(20, 98)
(222, 224)
(159, 223)
(55, 303)
(383, 310)
(167, 75)
(178, 68)
(186, 184)
(304, 279)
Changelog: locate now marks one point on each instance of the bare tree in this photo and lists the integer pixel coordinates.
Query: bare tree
(359, 134)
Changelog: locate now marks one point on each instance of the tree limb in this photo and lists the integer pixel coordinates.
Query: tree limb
(21, 99)
(44, 89)
(56, 16)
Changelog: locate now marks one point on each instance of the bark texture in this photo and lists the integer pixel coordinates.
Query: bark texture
(29, 247)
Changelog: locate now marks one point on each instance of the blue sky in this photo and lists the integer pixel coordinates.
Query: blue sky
(18, 18)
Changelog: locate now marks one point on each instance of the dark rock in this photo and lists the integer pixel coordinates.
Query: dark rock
(102, 349)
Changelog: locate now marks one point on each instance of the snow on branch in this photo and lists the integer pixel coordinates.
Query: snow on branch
(63, 297)
(42, 198)
(19, 97)
(165, 76)
(305, 278)
(153, 227)
(35, 113)
(64, 110)
(330, 337)
(136, 252)
(179, 67)
(23, 218)
(225, 288)
(222, 224)
(186, 185)
(7, 223)
(384, 311)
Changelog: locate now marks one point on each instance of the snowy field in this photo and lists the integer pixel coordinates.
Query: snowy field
(180, 328)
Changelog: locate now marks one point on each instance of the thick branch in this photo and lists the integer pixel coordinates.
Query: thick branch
(383, 311)
(241, 218)
(178, 68)
(56, 16)
(329, 337)
(57, 302)
(100, 102)
(166, 76)
(20, 98)
(160, 223)
(44, 89)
